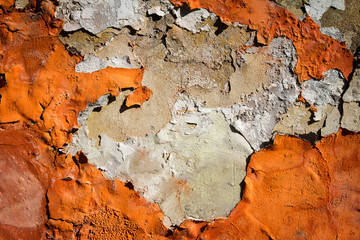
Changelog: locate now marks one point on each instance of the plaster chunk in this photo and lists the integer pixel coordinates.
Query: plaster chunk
(192, 19)
(96, 16)
(332, 122)
(351, 116)
(93, 63)
(301, 121)
(351, 108)
(256, 116)
(157, 11)
(316, 8)
(21, 4)
(325, 94)
(352, 94)
(325, 91)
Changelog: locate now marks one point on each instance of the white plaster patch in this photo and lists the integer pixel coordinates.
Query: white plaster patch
(93, 63)
(191, 20)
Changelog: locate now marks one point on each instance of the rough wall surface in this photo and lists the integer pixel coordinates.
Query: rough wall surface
(186, 119)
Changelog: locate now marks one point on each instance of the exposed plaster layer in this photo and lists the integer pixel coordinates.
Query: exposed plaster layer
(190, 20)
(322, 117)
(205, 68)
(324, 91)
(255, 117)
(185, 159)
(334, 33)
(184, 168)
(294, 6)
(21, 4)
(316, 8)
(351, 106)
(94, 63)
(347, 21)
(301, 120)
(96, 16)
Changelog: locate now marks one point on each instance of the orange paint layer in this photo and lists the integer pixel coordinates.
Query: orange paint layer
(294, 190)
(45, 194)
(316, 52)
(40, 82)
(138, 97)
(81, 196)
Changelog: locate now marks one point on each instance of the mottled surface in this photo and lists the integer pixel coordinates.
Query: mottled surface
(179, 114)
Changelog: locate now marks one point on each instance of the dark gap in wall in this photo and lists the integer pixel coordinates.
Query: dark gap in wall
(123, 107)
(220, 27)
(184, 10)
(129, 185)
(311, 137)
(97, 109)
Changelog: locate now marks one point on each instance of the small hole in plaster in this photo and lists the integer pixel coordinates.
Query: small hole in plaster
(2, 80)
(129, 185)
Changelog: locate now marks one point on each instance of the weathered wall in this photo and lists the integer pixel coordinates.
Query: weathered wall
(190, 119)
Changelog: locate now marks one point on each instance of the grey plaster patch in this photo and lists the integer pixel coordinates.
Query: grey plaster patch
(157, 11)
(96, 16)
(334, 33)
(256, 116)
(325, 95)
(316, 8)
(191, 20)
(325, 91)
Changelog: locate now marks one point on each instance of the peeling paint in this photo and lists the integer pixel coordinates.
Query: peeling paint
(271, 20)
(209, 156)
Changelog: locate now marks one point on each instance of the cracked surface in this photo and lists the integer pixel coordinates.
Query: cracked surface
(204, 158)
